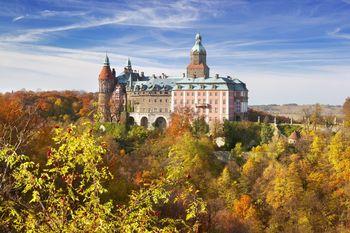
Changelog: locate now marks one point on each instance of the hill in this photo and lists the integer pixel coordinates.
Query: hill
(297, 112)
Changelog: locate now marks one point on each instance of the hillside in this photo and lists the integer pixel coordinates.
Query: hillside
(296, 111)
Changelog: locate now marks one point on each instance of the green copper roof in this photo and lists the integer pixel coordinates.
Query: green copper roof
(198, 47)
(106, 62)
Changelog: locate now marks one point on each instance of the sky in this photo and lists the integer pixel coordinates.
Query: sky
(286, 51)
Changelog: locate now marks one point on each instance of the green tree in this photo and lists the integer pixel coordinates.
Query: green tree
(266, 133)
(64, 195)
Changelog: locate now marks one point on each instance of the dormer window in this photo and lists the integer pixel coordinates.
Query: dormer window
(214, 86)
(202, 86)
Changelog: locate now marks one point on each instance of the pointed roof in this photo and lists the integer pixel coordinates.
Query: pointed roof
(295, 135)
(128, 64)
(106, 73)
(198, 47)
(106, 62)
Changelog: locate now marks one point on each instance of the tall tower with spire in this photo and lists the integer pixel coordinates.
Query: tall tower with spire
(198, 64)
(107, 81)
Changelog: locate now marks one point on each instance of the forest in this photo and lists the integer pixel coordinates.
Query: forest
(62, 170)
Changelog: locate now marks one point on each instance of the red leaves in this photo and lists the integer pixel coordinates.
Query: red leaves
(48, 153)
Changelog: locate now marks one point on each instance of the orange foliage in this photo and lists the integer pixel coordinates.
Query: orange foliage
(180, 122)
(242, 206)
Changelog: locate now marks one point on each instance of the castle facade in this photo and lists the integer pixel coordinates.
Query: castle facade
(150, 100)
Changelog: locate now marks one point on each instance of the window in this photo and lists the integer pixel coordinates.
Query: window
(210, 101)
(224, 94)
(192, 93)
(149, 110)
(216, 101)
(209, 118)
(149, 100)
(175, 102)
(216, 110)
(187, 101)
(199, 94)
(216, 94)
(160, 100)
(210, 110)
(181, 94)
(166, 100)
(210, 94)
(165, 110)
(155, 100)
(181, 101)
(187, 94)
(160, 109)
(223, 110)
(174, 93)
(224, 101)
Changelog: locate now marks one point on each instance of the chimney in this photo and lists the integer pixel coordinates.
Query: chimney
(142, 74)
(183, 75)
(153, 76)
(228, 76)
(216, 76)
(194, 76)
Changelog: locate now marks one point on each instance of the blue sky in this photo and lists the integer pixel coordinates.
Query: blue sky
(288, 51)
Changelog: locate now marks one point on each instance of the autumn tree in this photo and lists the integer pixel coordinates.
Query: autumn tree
(346, 109)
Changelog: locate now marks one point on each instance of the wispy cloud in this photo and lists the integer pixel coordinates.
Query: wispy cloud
(17, 18)
(338, 34)
(179, 14)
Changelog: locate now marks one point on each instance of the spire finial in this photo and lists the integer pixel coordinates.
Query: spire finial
(198, 38)
(128, 62)
(106, 63)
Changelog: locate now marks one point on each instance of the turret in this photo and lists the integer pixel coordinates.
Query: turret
(106, 80)
(198, 64)
(128, 67)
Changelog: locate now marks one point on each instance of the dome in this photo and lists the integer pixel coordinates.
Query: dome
(198, 47)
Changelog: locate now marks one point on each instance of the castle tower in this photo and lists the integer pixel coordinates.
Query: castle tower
(128, 67)
(198, 65)
(106, 80)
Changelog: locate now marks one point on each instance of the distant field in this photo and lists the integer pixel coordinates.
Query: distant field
(297, 111)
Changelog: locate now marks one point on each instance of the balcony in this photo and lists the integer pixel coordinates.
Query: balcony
(202, 105)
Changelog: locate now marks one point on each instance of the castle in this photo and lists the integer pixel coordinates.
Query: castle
(150, 100)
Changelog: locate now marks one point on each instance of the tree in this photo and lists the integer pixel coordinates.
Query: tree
(316, 116)
(199, 127)
(346, 109)
(266, 133)
(65, 194)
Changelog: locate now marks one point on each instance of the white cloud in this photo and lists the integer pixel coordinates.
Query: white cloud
(173, 15)
(337, 33)
(17, 18)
